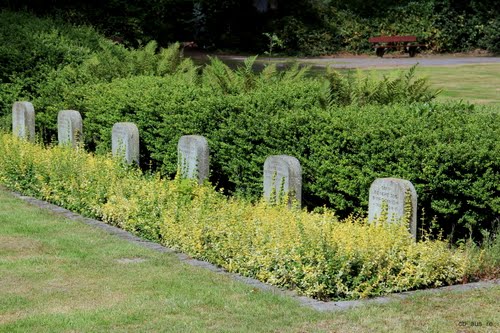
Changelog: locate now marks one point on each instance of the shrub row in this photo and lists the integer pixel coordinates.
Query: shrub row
(313, 253)
(31, 48)
(451, 153)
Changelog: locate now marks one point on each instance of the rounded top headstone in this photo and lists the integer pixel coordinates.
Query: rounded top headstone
(69, 127)
(193, 157)
(282, 173)
(397, 197)
(125, 141)
(23, 120)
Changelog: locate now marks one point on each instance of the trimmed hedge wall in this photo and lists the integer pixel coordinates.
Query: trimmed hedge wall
(450, 152)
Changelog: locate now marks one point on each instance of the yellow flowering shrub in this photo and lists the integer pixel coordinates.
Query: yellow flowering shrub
(313, 253)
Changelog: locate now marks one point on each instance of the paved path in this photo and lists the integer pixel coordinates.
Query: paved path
(373, 61)
(402, 61)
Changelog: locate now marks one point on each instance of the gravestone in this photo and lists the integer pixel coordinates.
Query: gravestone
(193, 157)
(282, 176)
(125, 142)
(69, 128)
(23, 121)
(399, 198)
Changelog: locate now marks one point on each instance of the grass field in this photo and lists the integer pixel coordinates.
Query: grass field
(58, 275)
(478, 84)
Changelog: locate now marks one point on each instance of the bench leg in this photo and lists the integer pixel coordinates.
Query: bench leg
(412, 50)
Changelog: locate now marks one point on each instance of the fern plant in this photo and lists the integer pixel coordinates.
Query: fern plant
(363, 89)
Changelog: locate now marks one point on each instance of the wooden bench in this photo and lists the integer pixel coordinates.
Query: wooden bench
(408, 43)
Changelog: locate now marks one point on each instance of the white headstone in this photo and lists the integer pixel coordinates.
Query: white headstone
(125, 142)
(69, 128)
(398, 197)
(282, 176)
(23, 120)
(193, 157)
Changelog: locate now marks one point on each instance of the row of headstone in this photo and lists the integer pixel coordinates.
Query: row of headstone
(192, 149)
(282, 173)
(396, 199)
(69, 124)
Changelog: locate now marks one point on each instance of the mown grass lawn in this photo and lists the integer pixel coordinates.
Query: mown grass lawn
(58, 275)
(473, 83)
(478, 84)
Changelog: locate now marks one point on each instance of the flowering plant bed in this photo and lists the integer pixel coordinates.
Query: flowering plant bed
(315, 254)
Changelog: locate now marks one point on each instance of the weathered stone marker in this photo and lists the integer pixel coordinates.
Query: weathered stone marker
(23, 121)
(69, 128)
(193, 157)
(398, 196)
(125, 142)
(282, 176)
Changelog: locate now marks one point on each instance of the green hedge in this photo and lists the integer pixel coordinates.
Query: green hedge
(29, 45)
(450, 152)
(31, 49)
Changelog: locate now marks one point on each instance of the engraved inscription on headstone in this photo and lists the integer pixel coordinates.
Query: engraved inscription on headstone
(69, 128)
(193, 157)
(23, 120)
(398, 197)
(282, 176)
(125, 142)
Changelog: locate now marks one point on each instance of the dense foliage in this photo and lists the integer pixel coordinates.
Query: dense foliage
(450, 153)
(32, 48)
(305, 26)
(41, 59)
(313, 253)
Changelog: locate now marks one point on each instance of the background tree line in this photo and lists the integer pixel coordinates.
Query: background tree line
(308, 27)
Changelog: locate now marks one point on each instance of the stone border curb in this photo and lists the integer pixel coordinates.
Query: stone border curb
(303, 300)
